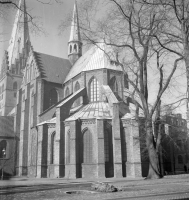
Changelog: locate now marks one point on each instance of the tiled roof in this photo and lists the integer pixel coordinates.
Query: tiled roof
(53, 69)
(93, 110)
(94, 58)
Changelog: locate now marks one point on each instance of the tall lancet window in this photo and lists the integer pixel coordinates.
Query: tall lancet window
(94, 90)
(77, 87)
(52, 155)
(87, 146)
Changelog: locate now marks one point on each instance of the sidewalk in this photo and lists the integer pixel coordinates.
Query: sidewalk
(25, 181)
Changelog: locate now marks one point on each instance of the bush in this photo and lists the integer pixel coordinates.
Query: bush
(103, 187)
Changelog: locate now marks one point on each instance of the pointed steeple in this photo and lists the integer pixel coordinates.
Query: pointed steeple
(74, 44)
(19, 43)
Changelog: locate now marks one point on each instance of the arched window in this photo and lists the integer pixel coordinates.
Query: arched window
(94, 90)
(77, 87)
(32, 108)
(52, 155)
(3, 149)
(180, 159)
(68, 147)
(114, 85)
(75, 47)
(67, 92)
(87, 147)
(53, 97)
(70, 48)
(15, 86)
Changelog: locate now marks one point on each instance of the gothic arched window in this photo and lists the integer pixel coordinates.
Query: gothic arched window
(94, 90)
(3, 149)
(75, 47)
(87, 147)
(67, 92)
(52, 155)
(77, 87)
(53, 97)
(70, 48)
(15, 86)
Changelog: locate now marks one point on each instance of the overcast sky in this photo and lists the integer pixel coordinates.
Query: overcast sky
(50, 16)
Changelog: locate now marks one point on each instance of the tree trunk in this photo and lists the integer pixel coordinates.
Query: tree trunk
(186, 59)
(154, 168)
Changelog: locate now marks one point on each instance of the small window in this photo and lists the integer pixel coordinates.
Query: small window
(70, 48)
(67, 93)
(75, 47)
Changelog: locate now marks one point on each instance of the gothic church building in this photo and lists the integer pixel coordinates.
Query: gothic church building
(70, 115)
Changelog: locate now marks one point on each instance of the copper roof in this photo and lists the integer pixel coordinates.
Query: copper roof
(92, 110)
(53, 69)
(98, 57)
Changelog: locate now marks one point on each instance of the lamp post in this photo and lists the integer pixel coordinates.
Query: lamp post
(4, 155)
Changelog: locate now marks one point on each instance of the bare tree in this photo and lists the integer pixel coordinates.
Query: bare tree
(175, 30)
(131, 29)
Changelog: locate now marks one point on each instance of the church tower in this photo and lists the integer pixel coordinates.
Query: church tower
(14, 61)
(74, 44)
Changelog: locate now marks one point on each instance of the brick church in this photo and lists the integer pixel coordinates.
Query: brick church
(71, 116)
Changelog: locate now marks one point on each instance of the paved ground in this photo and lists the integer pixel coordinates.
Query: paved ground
(170, 187)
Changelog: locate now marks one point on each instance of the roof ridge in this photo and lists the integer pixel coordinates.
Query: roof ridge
(50, 55)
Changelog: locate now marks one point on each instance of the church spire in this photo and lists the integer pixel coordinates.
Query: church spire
(74, 44)
(19, 43)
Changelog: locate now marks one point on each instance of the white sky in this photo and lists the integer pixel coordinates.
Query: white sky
(50, 16)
